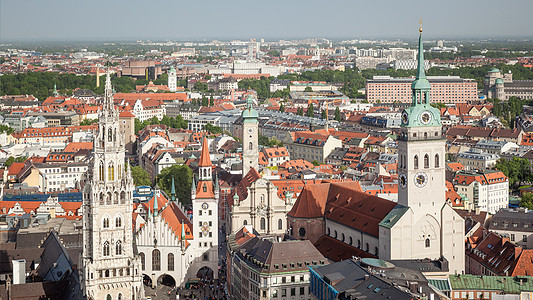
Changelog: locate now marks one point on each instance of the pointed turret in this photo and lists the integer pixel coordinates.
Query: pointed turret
(55, 92)
(420, 86)
(108, 94)
(216, 187)
(193, 188)
(205, 160)
(173, 191)
(156, 208)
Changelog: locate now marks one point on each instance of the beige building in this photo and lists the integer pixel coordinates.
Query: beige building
(503, 87)
(311, 145)
(476, 159)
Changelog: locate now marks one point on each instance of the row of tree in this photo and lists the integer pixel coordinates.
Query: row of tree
(177, 122)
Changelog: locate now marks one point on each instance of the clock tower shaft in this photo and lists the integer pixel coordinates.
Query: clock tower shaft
(250, 146)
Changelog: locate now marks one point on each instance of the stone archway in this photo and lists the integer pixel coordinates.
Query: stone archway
(167, 280)
(205, 272)
(147, 280)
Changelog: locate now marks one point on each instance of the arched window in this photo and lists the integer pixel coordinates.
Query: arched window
(425, 135)
(109, 135)
(335, 234)
(428, 243)
(342, 237)
(280, 224)
(367, 247)
(115, 198)
(171, 262)
(118, 222)
(108, 297)
(156, 260)
(109, 198)
(123, 198)
(376, 251)
(106, 248)
(105, 222)
(245, 222)
(415, 160)
(111, 172)
(263, 224)
(142, 260)
(119, 294)
(426, 161)
(250, 146)
(101, 171)
(301, 231)
(329, 232)
(102, 201)
(119, 173)
(437, 163)
(118, 248)
(359, 244)
(351, 241)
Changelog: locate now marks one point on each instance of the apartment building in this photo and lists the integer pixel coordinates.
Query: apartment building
(487, 190)
(444, 89)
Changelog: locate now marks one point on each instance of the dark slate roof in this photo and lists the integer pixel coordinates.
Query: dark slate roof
(512, 220)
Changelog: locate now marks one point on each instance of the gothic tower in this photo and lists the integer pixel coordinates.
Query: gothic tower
(172, 79)
(111, 270)
(250, 150)
(205, 214)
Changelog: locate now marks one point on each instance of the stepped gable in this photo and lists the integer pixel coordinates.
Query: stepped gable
(175, 218)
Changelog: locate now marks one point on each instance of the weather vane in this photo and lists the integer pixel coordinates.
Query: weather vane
(420, 21)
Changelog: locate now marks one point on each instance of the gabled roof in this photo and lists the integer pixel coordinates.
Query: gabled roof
(336, 250)
(242, 188)
(174, 217)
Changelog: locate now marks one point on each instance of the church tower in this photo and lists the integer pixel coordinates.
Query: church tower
(205, 214)
(421, 147)
(250, 150)
(423, 225)
(111, 270)
(172, 79)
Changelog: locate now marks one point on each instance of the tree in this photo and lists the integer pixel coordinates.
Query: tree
(10, 160)
(211, 101)
(315, 163)
(140, 176)
(310, 111)
(308, 89)
(212, 129)
(281, 108)
(88, 122)
(338, 114)
(200, 86)
(182, 181)
(205, 101)
(527, 200)
(324, 114)
(300, 111)
(517, 170)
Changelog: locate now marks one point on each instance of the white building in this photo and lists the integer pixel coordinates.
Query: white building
(476, 159)
(172, 79)
(487, 190)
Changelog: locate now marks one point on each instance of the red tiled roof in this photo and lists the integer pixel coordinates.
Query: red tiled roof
(205, 160)
(336, 250)
(524, 264)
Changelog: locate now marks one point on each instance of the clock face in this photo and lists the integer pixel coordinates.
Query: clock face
(205, 205)
(250, 130)
(405, 117)
(425, 117)
(421, 179)
(403, 181)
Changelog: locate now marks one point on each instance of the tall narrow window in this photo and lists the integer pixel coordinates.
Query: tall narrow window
(280, 224)
(110, 135)
(171, 262)
(263, 224)
(426, 161)
(101, 172)
(106, 248)
(437, 164)
(415, 160)
(425, 135)
(142, 260)
(106, 222)
(428, 243)
(111, 173)
(118, 222)
(156, 260)
(118, 248)
(251, 146)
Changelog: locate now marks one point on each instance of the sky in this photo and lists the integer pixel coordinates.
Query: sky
(122, 20)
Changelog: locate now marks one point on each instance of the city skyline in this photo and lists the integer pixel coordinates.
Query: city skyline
(120, 20)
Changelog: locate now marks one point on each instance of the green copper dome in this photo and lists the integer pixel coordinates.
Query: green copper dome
(499, 81)
(494, 70)
(249, 114)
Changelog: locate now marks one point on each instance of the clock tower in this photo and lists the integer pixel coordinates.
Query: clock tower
(421, 149)
(250, 150)
(204, 198)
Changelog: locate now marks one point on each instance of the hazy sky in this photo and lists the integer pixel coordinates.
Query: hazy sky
(271, 19)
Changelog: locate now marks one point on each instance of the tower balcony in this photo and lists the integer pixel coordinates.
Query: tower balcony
(420, 138)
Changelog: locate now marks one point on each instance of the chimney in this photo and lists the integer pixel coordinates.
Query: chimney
(366, 277)
(477, 210)
(19, 271)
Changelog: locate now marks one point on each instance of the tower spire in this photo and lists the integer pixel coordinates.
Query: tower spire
(108, 94)
(173, 191)
(420, 86)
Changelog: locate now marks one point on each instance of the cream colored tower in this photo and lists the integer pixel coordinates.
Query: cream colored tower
(250, 146)
(423, 225)
(110, 267)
